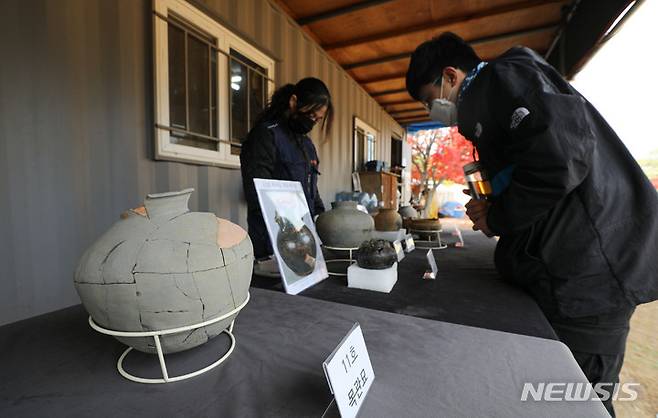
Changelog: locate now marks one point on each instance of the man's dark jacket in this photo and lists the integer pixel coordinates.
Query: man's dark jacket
(578, 221)
(272, 151)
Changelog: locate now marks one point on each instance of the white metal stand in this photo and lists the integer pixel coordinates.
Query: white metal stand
(428, 244)
(340, 260)
(156, 337)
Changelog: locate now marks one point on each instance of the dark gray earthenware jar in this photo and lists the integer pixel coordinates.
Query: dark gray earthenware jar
(376, 254)
(344, 226)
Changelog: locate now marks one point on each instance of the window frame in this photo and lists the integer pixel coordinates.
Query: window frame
(242, 47)
(395, 139)
(225, 40)
(360, 124)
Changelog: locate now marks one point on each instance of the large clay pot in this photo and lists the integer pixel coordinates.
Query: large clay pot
(376, 254)
(344, 226)
(160, 267)
(296, 246)
(408, 212)
(388, 220)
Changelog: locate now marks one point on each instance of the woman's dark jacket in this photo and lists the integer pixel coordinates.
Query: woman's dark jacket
(272, 151)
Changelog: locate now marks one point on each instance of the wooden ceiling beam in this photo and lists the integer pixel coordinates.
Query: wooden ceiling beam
(287, 10)
(397, 102)
(386, 92)
(339, 11)
(438, 24)
(408, 121)
(412, 117)
(400, 112)
(479, 41)
(376, 61)
(393, 77)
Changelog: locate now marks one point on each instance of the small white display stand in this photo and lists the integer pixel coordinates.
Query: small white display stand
(409, 243)
(350, 260)
(377, 280)
(156, 337)
(432, 239)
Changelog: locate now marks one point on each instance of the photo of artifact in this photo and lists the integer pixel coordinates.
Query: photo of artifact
(292, 231)
(296, 246)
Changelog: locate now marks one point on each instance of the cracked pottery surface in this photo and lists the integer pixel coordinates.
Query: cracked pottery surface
(161, 267)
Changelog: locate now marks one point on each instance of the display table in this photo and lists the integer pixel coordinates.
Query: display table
(468, 290)
(56, 366)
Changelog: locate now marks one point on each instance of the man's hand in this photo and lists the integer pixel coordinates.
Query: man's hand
(477, 211)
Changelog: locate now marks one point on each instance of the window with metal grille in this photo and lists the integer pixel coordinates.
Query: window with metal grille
(192, 87)
(248, 95)
(209, 86)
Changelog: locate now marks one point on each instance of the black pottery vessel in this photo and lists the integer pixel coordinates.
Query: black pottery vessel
(376, 254)
(296, 246)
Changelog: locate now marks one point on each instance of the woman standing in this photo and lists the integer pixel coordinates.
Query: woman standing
(278, 147)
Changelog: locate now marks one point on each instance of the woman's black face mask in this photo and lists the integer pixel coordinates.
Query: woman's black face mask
(301, 123)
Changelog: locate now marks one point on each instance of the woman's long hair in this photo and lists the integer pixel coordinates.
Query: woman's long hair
(311, 94)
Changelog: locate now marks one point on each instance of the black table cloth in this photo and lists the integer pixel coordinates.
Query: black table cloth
(468, 290)
(56, 366)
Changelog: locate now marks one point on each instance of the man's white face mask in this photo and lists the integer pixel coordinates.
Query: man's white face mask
(443, 110)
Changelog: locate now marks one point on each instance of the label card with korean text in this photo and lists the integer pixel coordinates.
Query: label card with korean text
(458, 233)
(398, 249)
(432, 262)
(410, 244)
(349, 372)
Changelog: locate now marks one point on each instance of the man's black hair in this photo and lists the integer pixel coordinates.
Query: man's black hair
(431, 57)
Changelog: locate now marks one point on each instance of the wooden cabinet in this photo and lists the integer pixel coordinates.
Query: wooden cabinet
(382, 184)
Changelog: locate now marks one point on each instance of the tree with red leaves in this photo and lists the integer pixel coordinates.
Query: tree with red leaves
(437, 155)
